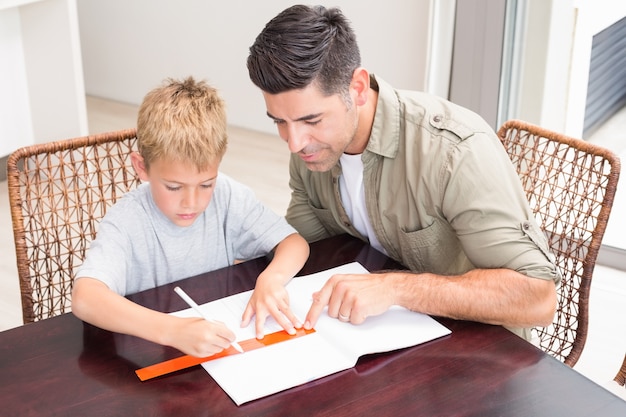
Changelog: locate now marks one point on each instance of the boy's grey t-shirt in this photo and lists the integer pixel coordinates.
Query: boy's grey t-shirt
(138, 248)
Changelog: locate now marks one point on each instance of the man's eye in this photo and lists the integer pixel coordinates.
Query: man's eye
(278, 122)
(313, 122)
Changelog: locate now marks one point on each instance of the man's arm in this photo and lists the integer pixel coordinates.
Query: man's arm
(95, 303)
(495, 296)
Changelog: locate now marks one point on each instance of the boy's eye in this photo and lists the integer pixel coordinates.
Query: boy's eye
(207, 185)
(172, 188)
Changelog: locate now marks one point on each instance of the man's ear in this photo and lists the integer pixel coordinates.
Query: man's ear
(139, 165)
(360, 84)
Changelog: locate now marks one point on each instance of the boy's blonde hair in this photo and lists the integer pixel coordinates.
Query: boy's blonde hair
(183, 121)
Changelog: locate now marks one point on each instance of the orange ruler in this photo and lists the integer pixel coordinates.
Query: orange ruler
(188, 361)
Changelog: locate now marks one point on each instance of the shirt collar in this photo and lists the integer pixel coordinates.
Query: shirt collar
(385, 137)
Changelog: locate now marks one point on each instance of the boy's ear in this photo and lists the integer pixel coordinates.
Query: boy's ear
(360, 84)
(139, 165)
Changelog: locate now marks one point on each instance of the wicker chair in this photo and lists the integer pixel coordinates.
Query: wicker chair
(570, 185)
(58, 193)
(620, 378)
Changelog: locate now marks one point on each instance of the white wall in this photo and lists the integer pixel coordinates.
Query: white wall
(129, 47)
(15, 125)
(42, 97)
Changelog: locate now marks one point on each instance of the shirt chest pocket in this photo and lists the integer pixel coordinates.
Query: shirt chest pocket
(433, 249)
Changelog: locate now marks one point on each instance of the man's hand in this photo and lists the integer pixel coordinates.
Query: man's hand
(351, 298)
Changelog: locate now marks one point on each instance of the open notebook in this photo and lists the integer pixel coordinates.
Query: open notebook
(333, 347)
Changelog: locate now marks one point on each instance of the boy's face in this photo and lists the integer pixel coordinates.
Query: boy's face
(181, 192)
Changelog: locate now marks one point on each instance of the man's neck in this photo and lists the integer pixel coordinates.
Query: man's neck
(366, 121)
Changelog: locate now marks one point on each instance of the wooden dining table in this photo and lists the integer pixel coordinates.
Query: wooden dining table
(64, 367)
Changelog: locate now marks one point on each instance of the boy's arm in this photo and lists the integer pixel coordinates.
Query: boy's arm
(95, 303)
(270, 296)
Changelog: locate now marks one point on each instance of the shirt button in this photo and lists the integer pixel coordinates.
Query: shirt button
(437, 119)
(526, 226)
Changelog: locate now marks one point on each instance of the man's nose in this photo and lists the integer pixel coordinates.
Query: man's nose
(296, 139)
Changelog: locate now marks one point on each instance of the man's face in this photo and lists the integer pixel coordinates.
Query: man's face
(317, 128)
(181, 192)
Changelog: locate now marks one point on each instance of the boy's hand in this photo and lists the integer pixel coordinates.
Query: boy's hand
(200, 338)
(270, 299)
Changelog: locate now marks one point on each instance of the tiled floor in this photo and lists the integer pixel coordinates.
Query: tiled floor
(260, 160)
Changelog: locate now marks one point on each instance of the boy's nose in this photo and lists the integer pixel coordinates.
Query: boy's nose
(189, 198)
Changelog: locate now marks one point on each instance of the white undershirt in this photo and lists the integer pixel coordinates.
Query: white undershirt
(353, 197)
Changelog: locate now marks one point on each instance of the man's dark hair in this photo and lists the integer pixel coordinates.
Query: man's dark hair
(302, 45)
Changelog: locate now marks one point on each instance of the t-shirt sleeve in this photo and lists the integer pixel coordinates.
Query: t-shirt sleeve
(254, 228)
(108, 256)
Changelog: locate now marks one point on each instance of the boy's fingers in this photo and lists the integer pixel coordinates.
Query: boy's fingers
(247, 316)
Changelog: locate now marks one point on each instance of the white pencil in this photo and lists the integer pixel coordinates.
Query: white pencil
(196, 307)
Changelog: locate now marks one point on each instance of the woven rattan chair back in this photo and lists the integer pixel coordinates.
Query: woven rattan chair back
(58, 193)
(570, 185)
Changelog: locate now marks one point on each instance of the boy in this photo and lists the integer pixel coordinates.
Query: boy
(187, 219)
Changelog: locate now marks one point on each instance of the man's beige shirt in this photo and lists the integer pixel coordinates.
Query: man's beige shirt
(440, 190)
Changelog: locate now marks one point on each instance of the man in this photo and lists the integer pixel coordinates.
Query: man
(423, 180)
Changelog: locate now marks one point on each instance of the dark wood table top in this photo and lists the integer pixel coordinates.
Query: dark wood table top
(61, 366)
